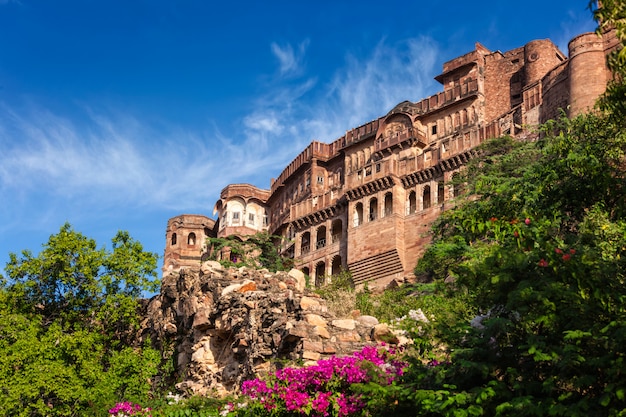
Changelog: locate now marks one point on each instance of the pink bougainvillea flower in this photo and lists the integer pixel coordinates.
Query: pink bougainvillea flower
(566, 257)
(543, 263)
(558, 250)
(527, 221)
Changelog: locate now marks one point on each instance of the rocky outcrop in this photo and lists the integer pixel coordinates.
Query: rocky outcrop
(224, 326)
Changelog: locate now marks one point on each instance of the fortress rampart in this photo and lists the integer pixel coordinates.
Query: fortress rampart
(365, 201)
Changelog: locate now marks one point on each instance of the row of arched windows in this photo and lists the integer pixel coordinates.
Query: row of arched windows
(360, 215)
(320, 272)
(191, 239)
(373, 210)
(321, 238)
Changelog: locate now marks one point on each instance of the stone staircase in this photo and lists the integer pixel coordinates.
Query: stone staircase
(383, 265)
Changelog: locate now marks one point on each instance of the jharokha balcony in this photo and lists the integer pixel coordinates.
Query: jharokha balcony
(398, 138)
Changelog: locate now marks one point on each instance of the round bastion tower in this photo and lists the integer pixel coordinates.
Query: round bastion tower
(540, 56)
(185, 241)
(588, 74)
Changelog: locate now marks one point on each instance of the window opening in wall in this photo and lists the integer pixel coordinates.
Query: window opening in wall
(251, 218)
(236, 217)
(320, 180)
(377, 168)
(373, 209)
(308, 182)
(191, 239)
(173, 238)
(358, 215)
(336, 231)
(426, 197)
(388, 204)
(305, 245)
(265, 220)
(412, 202)
(440, 193)
(368, 171)
(433, 130)
(320, 274)
(336, 265)
(321, 237)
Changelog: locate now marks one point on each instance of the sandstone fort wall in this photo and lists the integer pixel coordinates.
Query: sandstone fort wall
(365, 201)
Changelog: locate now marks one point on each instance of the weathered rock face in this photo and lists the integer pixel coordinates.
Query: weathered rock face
(224, 326)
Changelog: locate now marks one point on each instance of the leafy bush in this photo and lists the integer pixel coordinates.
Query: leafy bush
(339, 294)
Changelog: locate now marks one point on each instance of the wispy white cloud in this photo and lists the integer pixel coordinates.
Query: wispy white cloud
(290, 60)
(102, 159)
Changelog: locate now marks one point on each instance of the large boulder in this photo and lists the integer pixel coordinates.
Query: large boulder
(225, 325)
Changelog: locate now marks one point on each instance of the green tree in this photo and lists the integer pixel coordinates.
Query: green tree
(67, 324)
(73, 280)
(260, 250)
(540, 249)
(612, 14)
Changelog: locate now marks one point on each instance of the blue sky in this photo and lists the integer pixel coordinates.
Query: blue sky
(120, 114)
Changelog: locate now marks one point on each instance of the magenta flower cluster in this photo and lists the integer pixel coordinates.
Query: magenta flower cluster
(127, 408)
(324, 389)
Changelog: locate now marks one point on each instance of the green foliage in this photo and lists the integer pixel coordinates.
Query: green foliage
(260, 250)
(437, 261)
(67, 318)
(74, 281)
(195, 406)
(612, 14)
(339, 294)
(539, 251)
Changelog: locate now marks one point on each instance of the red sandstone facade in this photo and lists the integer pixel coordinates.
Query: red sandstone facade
(365, 201)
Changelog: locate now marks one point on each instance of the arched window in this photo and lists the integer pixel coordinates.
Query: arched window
(305, 244)
(441, 191)
(320, 274)
(412, 208)
(336, 231)
(426, 197)
(373, 209)
(321, 237)
(336, 265)
(191, 239)
(357, 219)
(173, 239)
(388, 204)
